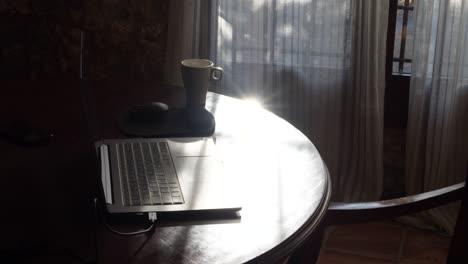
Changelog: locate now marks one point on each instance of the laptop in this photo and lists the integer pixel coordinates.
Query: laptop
(151, 175)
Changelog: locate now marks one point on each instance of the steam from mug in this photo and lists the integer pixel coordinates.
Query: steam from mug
(196, 75)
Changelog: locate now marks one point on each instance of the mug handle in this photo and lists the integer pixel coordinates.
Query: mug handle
(213, 73)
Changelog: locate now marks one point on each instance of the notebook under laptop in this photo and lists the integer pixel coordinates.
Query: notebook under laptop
(164, 175)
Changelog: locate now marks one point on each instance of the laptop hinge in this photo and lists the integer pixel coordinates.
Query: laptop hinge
(105, 173)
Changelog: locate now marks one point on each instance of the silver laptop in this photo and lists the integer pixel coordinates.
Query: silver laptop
(164, 174)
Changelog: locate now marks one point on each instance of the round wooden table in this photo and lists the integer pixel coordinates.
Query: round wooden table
(280, 177)
(283, 182)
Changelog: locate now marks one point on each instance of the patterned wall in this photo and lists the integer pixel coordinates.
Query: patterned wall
(125, 39)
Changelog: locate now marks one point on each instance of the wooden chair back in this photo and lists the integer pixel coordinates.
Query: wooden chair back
(349, 213)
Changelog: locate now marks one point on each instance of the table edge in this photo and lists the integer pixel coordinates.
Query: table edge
(299, 237)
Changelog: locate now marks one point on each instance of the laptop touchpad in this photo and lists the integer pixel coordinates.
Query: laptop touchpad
(202, 181)
(189, 147)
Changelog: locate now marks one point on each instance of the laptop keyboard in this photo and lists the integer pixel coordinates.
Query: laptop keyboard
(147, 174)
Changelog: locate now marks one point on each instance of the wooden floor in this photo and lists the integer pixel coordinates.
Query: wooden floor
(383, 243)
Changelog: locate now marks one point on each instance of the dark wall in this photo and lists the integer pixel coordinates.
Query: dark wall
(124, 39)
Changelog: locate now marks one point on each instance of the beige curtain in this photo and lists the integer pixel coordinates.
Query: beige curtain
(188, 35)
(360, 174)
(437, 139)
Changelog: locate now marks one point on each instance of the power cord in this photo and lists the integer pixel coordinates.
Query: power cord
(152, 217)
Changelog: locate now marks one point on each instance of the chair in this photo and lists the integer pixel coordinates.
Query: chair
(349, 213)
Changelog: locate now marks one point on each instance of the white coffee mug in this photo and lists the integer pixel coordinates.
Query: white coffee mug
(196, 76)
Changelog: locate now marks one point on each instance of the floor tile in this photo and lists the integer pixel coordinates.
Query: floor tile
(394, 142)
(421, 247)
(375, 240)
(332, 257)
(327, 233)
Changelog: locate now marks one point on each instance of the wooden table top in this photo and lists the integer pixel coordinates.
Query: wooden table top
(281, 178)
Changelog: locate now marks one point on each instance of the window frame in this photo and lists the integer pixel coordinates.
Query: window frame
(402, 59)
(397, 86)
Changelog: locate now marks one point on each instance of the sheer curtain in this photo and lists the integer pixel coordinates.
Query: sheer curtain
(188, 35)
(320, 64)
(437, 148)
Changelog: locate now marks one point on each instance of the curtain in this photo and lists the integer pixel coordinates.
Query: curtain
(437, 149)
(319, 64)
(188, 35)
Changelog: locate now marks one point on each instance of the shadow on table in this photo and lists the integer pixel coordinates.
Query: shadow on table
(188, 218)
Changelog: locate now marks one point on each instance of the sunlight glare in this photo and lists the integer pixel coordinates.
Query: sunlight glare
(253, 103)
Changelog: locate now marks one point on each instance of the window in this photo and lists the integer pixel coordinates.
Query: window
(401, 31)
(289, 33)
(404, 36)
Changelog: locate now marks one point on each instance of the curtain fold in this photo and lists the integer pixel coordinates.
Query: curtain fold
(437, 145)
(188, 35)
(362, 145)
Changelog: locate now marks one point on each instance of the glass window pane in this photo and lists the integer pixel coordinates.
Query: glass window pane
(402, 2)
(399, 27)
(409, 36)
(407, 68)
(395, 67)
